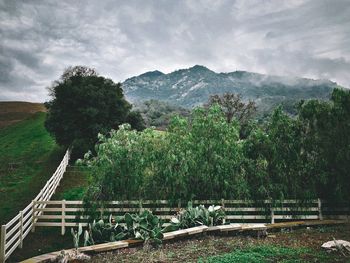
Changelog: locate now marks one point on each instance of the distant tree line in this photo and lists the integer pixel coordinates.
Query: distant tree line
(159, 113)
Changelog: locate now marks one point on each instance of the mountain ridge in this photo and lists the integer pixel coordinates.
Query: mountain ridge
(192, 87)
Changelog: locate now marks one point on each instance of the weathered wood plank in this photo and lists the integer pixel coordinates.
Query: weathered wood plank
(196, 230)
(226, 228)
(105, 246)
(246, 227)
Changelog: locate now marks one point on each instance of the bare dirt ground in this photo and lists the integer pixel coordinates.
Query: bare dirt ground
(307, 241)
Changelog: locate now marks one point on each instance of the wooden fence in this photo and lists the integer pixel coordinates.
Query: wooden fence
(14, 232)
(68, 213)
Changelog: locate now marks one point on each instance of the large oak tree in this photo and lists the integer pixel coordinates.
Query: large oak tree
(84, 104)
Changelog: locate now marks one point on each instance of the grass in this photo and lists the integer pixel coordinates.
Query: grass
(14, 111)
(268, 253)
(73, 185)
(28, 157)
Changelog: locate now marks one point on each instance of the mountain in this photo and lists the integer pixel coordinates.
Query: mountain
(192, 87)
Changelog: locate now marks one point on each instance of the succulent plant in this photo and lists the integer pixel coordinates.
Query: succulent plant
(195, 216)
(76, 235)
(144, 225)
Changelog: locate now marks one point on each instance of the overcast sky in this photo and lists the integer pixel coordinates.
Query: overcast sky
(121, 39)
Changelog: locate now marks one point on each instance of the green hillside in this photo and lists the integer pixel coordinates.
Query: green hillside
(15, 111)
(28, 157)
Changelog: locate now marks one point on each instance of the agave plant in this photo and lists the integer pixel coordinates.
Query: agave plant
(216, 215)
(195, 216)
(144, 225)
(76, 235)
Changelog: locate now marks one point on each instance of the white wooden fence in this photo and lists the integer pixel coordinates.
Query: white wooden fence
(14, 232)
(68, 213)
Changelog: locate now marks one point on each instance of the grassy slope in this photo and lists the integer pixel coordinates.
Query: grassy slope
(73, 185)
(33, 153)
(14, 111)
(34, 156)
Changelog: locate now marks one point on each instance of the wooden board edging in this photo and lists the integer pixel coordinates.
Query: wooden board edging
(186, 232)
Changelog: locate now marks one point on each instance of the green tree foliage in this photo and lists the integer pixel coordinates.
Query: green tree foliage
(193, 159)
(203, 157)
(326, 127)
(84, 104)
(273, 160)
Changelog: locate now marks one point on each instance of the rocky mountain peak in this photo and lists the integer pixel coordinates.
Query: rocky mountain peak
(193, 86)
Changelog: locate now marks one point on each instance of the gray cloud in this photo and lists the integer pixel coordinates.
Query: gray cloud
(38, 39)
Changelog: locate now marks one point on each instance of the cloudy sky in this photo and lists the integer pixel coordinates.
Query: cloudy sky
(121, 39)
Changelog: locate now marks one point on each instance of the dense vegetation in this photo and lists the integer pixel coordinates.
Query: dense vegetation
(84, 104)
(28, 157)
(203, 157)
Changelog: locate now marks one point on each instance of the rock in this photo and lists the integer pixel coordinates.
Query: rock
(337, 245)
(72, 255)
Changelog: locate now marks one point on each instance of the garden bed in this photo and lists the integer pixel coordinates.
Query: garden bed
(257, 229)
(301, 245)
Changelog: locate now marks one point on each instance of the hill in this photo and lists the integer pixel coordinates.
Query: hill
(15, 111)
(192, 87)
(28, 157)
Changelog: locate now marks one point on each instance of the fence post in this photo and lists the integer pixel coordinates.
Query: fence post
(319, 203)
(272, 215)
(33, 219)
(21, 229)
(63, 225)
(179, 205)
(223, 206)
(141, 206)
(2, 243)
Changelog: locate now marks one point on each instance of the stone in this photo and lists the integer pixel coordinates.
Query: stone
(336, 245)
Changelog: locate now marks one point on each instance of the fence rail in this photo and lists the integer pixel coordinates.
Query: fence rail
(68, 213)
(14, 232)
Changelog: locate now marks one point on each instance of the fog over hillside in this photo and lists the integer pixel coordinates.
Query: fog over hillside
(193, 86)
